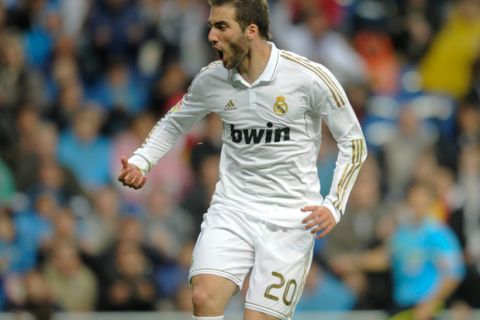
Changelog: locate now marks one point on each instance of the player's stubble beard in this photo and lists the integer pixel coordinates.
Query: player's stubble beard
(238, 53)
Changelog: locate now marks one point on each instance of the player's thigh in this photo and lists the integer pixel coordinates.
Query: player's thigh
(213, 289)
(223, 248)
(282, 261)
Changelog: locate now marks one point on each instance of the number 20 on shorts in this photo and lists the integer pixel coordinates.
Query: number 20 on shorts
(289, 289)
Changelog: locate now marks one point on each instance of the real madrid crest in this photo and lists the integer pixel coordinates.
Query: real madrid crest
(280, 107)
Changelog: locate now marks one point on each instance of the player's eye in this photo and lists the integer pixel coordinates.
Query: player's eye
(222, 26)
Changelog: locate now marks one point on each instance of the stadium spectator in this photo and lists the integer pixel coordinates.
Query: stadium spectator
(131, 241)
(101, 224)
(16, 253)
(39, 169)
(66, 229)
(31, 294)
(424, 255)
(130, 284)
(73, 285)
(85, 151)
(399, 156)
(168, 227)
(168, 89)
(376, 51)
(453, 51)
(68, 96)
(73, 14)
(7, 184)
(35, 224)
(182, 26)
(115, 29)
(316, 40)
(449, 147)
(19, 84)
(119, 93)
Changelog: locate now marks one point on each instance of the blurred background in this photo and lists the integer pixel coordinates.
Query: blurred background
(83, 82)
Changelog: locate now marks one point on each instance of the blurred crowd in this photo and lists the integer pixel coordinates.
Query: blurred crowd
(82, 82)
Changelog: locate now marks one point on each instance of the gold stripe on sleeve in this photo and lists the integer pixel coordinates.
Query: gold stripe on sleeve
(336, 92)
(357, 166)
(357, 152)
(347, 172)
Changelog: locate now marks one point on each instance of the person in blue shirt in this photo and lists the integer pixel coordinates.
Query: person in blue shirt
(85, 151)
(424, 256)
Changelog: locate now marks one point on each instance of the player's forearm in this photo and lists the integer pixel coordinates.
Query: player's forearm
(445, 290)
(161, 139)
(374, 260)
(350, 158)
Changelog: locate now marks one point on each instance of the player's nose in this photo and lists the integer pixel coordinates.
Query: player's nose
(212, 37)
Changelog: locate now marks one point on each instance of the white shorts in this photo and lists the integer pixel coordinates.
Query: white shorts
(230, 245)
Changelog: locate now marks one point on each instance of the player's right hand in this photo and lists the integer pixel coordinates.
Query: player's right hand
(131, 176)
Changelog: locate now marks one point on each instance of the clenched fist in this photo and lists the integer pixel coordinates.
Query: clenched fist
(131, 176)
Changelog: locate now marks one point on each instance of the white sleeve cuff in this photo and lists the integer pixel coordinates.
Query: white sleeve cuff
(140, 162)
(337, 215)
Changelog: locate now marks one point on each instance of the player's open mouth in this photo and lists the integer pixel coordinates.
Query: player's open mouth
(220, 54)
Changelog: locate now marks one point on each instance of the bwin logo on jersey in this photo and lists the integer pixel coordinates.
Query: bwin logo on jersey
(257, 136)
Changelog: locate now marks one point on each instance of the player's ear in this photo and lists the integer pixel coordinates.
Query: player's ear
(251, 31)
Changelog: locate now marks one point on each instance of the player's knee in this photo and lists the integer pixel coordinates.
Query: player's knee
(202, 299)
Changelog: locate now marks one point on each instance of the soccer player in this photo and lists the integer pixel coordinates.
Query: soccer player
(267, 208)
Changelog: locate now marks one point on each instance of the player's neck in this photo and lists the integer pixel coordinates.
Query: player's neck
(256, 61)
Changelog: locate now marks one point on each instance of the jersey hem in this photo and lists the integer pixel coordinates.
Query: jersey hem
(297, 224)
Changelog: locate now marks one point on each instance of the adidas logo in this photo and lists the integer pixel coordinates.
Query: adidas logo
(230, 106)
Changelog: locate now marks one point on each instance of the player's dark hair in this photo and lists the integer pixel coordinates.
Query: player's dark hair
(249, 12)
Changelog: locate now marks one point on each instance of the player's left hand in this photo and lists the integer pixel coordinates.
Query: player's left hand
(320, 221)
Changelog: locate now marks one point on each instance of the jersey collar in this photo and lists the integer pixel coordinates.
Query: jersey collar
(267, 75)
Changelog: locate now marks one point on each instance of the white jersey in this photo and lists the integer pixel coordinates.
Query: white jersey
(271, 137)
